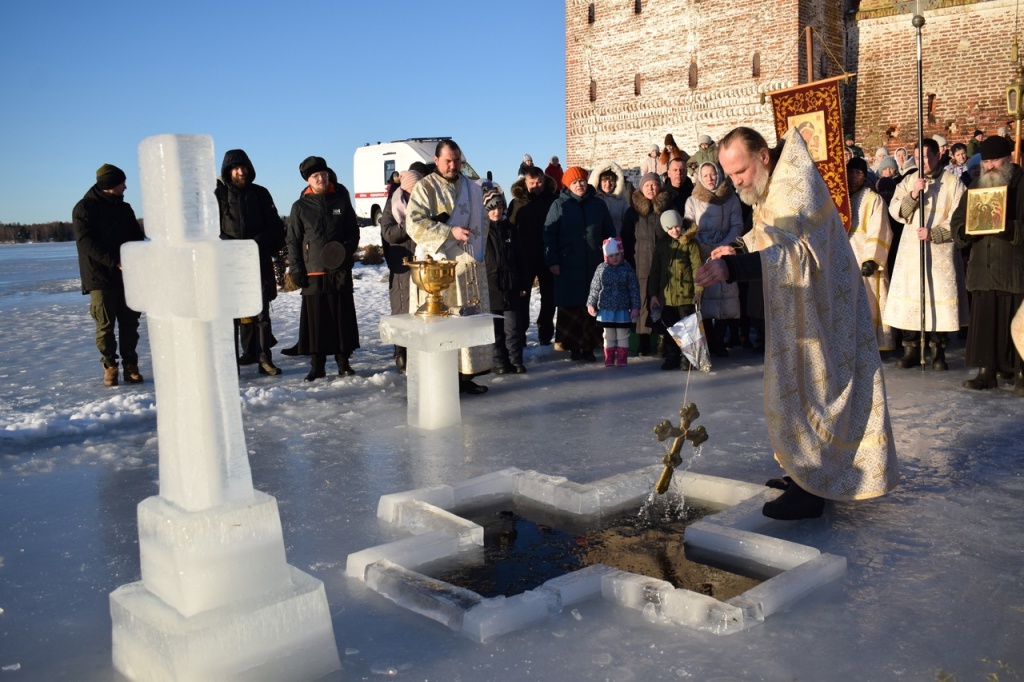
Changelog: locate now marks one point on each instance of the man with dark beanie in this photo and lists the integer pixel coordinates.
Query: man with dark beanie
(102, 222)
(322, 240)
(247, 211)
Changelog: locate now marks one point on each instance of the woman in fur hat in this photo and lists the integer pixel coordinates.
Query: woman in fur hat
(640, 231)
(611, 185)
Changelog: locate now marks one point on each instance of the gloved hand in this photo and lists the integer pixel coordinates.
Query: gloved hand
(868, 268)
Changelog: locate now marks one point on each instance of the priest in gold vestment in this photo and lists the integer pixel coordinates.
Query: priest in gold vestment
(445, 217)
(824, 394)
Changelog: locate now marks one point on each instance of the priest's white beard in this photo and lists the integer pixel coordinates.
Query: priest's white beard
(997, 177)
(756, 192)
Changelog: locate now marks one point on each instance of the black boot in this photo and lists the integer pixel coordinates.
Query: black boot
(986, 379)
(911, 356)
(344, 369)
(939, 359)
(1018, 384)
(401, 359)
(716, 338)
(467, 385)
(317, 370)
(794, 504)
(643, 347)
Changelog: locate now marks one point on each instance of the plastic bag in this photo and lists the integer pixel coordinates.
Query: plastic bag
(689, 334)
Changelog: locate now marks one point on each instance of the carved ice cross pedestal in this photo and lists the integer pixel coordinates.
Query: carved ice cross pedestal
(217, 599)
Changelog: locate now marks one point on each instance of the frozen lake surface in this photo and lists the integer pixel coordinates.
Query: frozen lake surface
(934, 588)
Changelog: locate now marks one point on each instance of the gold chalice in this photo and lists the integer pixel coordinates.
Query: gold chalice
(433, 276)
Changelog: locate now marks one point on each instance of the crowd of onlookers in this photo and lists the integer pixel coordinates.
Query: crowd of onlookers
(611, 251)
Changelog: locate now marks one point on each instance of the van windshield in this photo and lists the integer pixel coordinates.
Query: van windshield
(468, 171)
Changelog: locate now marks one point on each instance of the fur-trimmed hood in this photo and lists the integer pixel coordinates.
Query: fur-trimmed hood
(644, 206)
(519, 192)
(621, 191)
(718, 194)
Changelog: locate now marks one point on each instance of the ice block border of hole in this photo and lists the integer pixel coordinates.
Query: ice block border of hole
(216, 592)
(432, 367)
(799, 569)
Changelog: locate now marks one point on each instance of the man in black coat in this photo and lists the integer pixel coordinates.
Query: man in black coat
(247, 211)
(322, 239)
(995, 271)
(102, 222)
(532, 196)
(678, 185)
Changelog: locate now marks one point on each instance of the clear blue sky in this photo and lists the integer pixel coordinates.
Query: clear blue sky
(82, 83)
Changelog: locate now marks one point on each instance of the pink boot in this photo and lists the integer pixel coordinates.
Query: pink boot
(620, 356)
(609, 357)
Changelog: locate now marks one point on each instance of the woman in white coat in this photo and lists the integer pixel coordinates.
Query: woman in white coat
(715, 209)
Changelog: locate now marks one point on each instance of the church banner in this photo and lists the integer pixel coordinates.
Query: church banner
(815, 111)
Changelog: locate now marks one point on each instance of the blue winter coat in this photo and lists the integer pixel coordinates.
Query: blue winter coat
(573, 233)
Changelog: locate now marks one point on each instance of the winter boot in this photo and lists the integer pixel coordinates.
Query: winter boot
(268, 368)
(911, 356)
(344, 369)
(318, 369)
(401, 359)
(110, 375)
(609, 356)
(132, 374)
(621, 356)
(716, 339)
(1018, 384)
(794, 504)
(643, 345)
(672, 361)
(986, 379)
(684, 364)
(939, 359)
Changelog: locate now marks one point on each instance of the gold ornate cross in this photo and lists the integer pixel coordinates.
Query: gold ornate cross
(664, 430)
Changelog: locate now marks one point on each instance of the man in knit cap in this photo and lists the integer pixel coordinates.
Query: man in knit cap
(102, 222)
(707, 153)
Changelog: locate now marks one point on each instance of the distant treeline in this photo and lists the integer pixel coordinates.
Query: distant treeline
(16, 233)
(38, 232)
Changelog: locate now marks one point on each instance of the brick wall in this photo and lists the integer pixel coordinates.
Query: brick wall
(966, 66)
(723, 35)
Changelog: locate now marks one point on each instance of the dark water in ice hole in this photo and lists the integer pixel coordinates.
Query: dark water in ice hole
(524, 547)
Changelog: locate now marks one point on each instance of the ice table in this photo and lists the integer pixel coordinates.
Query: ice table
(432, 361)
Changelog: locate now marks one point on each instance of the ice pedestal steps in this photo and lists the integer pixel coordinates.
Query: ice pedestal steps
(729, 535)
(217, 599)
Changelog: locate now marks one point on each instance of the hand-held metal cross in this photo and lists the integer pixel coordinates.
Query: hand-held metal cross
(664, 430)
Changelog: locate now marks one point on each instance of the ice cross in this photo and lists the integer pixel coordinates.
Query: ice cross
(191, 285)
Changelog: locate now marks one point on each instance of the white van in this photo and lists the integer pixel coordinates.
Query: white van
(373, 164)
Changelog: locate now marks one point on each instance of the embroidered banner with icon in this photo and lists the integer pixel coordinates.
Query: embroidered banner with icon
(815, 111)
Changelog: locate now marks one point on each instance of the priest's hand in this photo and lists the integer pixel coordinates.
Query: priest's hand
(715, 270)
(461, 234)
(924, 234)
(723, 251)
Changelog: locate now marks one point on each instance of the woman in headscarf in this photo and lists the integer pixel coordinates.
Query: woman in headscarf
(715, 209)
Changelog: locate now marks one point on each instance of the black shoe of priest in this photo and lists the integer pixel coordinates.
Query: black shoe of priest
(794, 504)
